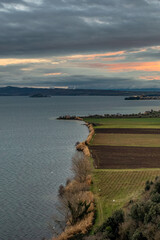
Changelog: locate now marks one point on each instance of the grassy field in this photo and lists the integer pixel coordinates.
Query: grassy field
(139, 140)
(114, 188)
(125, 122)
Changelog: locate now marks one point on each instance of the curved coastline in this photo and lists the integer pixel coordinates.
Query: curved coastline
(84, 225)
(82, 146)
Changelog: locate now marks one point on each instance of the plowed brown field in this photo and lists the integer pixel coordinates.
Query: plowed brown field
(128, 130)
(111, 157)
(130, 140)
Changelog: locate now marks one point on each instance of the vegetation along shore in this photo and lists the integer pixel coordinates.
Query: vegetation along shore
(125, 157)
(143, 97)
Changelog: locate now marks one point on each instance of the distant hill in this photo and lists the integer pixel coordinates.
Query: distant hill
(26, 91)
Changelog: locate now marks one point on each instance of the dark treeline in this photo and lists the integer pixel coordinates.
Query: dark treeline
(147, 114)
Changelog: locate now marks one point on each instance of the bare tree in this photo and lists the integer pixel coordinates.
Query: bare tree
(81, 167)
(74, 205)
(75, 202)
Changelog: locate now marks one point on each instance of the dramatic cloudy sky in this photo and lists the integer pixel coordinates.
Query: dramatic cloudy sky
(80, 43)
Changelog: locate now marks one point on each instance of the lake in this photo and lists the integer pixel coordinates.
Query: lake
(35, 155)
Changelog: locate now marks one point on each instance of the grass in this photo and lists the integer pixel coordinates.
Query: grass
(125, 122)
(116, 139)
(114, 188)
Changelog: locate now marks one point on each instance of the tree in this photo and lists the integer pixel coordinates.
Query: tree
(75, 199)
(81, 167)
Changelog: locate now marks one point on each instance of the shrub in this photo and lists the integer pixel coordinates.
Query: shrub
(68, 181)
(137, 212)
(110, 228)
(157, 187)
(147, 187)
(155, 197)
(78, 211)
(138, 236)
(61, 190)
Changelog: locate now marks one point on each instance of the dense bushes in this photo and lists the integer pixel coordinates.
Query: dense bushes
(110, 228)
(143, 216)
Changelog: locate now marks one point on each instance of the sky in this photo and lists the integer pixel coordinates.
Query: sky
(91, 44)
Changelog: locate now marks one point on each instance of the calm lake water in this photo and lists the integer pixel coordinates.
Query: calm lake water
(35, 155)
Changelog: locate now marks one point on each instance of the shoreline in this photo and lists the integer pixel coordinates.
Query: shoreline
(83, 226)
(83, 146)
(147, 114)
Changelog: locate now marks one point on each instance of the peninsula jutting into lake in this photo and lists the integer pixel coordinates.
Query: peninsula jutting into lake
(122, 149)
(79, 120)
(39, 141)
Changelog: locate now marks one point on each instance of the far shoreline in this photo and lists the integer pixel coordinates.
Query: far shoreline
(147, 114)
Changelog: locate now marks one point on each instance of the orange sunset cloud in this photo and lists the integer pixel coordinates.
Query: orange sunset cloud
(52, 74)
(150, 77)
(93, 56)
(127, 67)
(113, 58)
(135, 66)
(11, 61)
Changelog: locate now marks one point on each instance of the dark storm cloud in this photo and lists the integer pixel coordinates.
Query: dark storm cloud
(146, 55)
(58, 27)
(85, 82)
